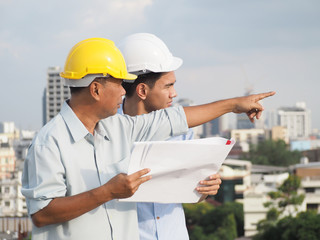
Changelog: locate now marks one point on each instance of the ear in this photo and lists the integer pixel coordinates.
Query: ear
(142, 90)
(95, 90)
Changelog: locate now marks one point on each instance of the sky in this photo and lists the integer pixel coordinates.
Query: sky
(227, 47)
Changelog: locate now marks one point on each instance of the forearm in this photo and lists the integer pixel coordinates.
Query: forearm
(66, 208)
(197, 115)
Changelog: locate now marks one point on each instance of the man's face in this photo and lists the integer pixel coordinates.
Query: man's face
(111, 96)
(162, 93)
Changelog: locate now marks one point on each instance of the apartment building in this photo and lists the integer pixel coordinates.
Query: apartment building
(296, 119)
(54, 95)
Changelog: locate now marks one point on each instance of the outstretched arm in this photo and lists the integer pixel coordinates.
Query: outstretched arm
(197, 115)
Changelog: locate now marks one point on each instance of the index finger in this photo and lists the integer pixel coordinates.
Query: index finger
(265, 95)
(140, 173)
(214, 176)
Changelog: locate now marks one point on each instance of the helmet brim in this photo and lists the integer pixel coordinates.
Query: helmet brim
(130, 77)
(176, 63)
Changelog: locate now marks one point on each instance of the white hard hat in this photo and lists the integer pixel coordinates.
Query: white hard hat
(145, 52)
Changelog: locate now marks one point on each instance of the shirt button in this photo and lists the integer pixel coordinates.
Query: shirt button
(158, 218)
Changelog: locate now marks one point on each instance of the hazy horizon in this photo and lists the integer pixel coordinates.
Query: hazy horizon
(227, 47)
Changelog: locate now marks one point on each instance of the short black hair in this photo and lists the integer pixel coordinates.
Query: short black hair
(148, 78)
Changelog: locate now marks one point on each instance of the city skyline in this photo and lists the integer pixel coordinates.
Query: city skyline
(227, 48)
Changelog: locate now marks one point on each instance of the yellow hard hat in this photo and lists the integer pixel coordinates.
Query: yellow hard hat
(95, 57)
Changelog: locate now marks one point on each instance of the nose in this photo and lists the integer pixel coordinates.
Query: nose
(123, 91)
(173, 93)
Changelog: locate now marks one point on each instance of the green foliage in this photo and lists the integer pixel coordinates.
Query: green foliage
(290, 185)
(195, 212)
(273, 214)
(274, 195)
(303, 227)
(206, 222)
(286, 195)
(271, 152)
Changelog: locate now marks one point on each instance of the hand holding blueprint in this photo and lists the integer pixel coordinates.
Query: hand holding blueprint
(177, 167)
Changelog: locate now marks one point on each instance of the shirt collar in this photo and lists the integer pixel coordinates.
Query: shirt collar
(77, 130)
(101, 131)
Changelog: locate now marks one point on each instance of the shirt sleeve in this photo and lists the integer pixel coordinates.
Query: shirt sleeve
(43, 177)
(159, 125)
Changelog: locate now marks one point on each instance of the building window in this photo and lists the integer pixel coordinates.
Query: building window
(310, 190)
(7, 203)
(312, 206)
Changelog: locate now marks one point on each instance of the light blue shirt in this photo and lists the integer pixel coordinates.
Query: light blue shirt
(162, 221)
(64, 159)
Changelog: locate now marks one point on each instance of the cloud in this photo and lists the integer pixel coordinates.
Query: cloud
(292, 73)
(111, 19)
(226, 45)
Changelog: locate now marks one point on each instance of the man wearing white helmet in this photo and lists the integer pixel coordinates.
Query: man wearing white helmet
(148, 57)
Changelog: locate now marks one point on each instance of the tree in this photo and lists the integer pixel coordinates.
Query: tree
(227, 230)
(271, 152)
(213, 223)
(195, 212)
(305, 226)
(287, 195)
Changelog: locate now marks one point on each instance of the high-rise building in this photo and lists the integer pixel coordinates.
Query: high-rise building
(8, 132)
(7, 160)
(296, 119)
(271, 118)
(216, 127)
(55, 94)
(12, 202)
(211, 128)
(7, 127)
(243, 122)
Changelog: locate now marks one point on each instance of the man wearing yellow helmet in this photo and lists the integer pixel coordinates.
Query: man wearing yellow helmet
(75, 167)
